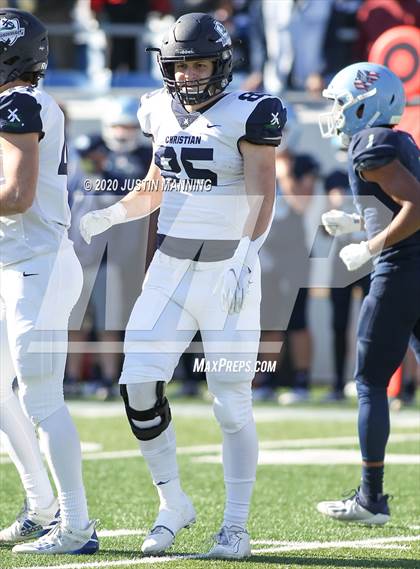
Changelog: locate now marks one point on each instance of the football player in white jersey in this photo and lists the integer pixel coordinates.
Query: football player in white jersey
(40, 280)
(205, 275)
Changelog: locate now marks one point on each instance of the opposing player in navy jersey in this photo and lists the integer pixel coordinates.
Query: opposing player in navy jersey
(40, 281)
(205, 275)
(384, 172)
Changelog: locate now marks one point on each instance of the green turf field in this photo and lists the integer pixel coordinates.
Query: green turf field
(307, 454)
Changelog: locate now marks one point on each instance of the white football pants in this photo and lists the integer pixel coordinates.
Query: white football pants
(180, 297)
(37, 296)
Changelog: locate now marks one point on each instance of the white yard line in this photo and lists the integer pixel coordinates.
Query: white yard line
(119, 563)
(302, 444)
(121, 532)
(312, 456)
(382, 542)
(363, 543)
(263, 414)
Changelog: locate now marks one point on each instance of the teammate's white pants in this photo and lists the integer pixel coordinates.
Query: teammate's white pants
(37, 296)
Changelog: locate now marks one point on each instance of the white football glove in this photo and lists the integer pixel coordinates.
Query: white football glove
(338, 222)
(355, 255)
(98, 221)
(233, 284)
(235, 289)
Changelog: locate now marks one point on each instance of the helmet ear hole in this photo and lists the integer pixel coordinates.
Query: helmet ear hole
(392, 99)
(360, 111)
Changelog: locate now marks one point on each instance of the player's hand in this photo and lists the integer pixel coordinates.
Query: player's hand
(98, 221)
(338, 222)
(93, 223)
(233, 289)
(355, 255)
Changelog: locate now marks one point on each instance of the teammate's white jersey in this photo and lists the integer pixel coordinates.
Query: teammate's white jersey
(40, 229)
(199, 158)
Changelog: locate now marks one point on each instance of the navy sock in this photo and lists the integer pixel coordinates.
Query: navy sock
(372, 482)
(302, 379)
(373, 425)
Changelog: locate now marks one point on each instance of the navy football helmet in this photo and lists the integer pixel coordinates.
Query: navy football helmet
(365, 95)
(196, 36)
(23, 45)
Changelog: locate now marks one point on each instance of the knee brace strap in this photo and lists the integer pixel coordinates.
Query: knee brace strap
(161, 409)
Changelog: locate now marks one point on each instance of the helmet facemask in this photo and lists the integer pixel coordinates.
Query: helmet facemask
(345, 108)
(199, 90)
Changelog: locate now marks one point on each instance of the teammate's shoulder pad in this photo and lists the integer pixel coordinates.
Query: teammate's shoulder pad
(373, 147)
(147, 103)
(20, 113)
(151, 96)
(266, 121)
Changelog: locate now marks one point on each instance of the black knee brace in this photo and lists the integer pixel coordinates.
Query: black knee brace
(161, 409)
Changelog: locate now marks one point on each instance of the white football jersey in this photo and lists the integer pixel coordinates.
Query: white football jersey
(41, 228)
(199, 158)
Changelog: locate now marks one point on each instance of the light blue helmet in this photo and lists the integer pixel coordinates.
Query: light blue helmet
(365, 95)
(122, 112)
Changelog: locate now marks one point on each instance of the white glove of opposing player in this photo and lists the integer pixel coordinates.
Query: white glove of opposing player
(338, 222)
(355, 255)
(98, 221)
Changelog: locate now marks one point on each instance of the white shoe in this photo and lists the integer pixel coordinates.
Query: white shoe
(354, 509)
(168, 523)
(232, 542)
(62, 540)
(31, 524)
(294, 396)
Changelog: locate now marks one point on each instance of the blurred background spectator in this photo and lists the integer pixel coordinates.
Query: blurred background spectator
(285, 273)
(114, 263)
(337, 188)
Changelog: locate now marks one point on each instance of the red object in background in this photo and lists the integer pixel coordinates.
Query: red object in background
(97, 5)
(395, 385)
(375, 17)
(410, 122)
(399, 49)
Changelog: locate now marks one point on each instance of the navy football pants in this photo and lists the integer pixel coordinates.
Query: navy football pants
(390, 315)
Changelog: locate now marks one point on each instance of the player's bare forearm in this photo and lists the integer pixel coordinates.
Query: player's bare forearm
(146, 197)
(20, 170)
(404, 189)
(404, 224)
(259, 173)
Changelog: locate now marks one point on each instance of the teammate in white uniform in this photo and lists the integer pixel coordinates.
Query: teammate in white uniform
(40, 280)
(205, 275)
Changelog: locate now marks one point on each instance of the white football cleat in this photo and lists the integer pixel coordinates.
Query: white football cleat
(232, 542)
(355, 510)
(31, 524)
(168, 523)
(62, 540)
